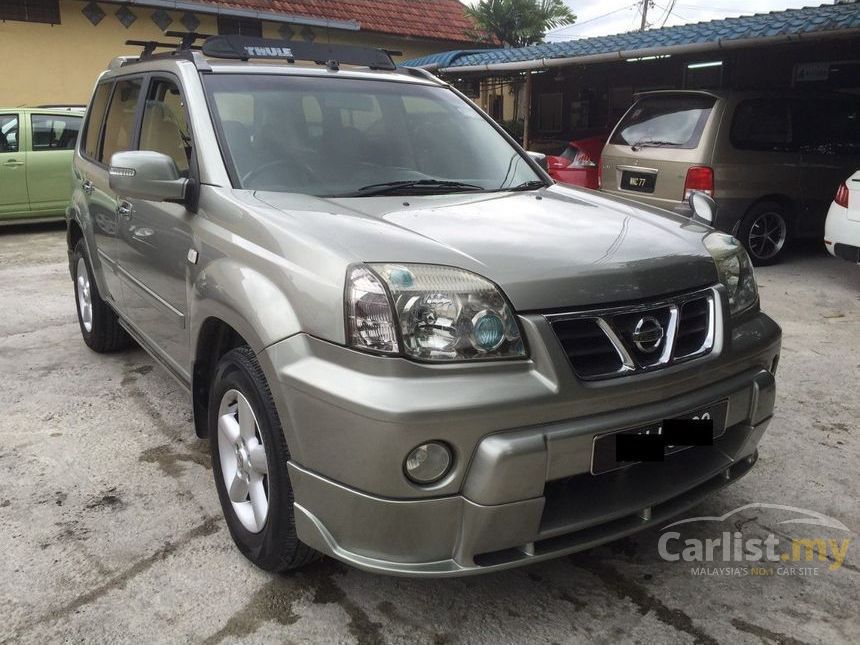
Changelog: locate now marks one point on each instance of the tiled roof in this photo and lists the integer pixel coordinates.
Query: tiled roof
(433, 19)
(776, 23)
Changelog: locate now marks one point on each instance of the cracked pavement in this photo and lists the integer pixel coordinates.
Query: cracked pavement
(110, 527)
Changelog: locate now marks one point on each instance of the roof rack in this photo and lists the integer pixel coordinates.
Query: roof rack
(237, 47)
(332, 56)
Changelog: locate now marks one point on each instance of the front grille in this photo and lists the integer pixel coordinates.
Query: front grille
(624, 340)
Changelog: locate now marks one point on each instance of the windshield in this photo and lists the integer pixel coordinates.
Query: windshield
(347, 137)
(665, 121)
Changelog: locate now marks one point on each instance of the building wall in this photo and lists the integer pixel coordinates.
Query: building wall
(45, 64)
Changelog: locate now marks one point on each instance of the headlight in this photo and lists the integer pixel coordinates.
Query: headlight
(735, 271)
(439, 313)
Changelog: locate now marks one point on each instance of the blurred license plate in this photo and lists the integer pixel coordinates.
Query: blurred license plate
(606, 449)
(641, 182)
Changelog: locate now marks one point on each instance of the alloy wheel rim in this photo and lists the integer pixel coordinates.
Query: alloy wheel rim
(85, 298)
(767, 235)
(244, 465)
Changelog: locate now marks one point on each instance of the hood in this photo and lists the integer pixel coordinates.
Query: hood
(550, 249)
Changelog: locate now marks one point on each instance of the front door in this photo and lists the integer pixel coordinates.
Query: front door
(155, 237)
(13, 180)
(49, 161)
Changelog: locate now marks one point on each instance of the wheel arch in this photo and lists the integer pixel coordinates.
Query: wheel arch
(786, 202)
(214, 339)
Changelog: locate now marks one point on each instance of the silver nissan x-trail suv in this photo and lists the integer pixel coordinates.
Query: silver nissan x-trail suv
(409, 349)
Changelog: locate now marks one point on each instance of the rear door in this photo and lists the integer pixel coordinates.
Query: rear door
(13, 179)
(49, 161)
(655, 143)
(155, 237)
(109, 129)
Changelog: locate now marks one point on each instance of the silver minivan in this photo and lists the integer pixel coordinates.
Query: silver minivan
(772, 161)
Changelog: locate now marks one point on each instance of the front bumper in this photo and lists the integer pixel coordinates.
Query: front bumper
(521, 488)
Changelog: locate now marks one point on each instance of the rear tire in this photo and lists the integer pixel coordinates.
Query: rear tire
(765, 233)
(99, 324)
(249, 462)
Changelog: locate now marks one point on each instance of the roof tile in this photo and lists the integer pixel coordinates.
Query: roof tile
(789, 22)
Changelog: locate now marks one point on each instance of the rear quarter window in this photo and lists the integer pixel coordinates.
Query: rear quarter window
(665, 121)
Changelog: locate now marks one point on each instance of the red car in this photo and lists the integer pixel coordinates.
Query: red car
(579, 162)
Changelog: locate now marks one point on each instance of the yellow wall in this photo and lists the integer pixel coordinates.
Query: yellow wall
(44, 64)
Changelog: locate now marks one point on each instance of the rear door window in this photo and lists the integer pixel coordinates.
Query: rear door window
(665, 121)
(93, 126)
(763, 124)
(119, 125)
(54, 132)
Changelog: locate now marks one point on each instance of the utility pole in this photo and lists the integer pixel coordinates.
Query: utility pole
(644, 24)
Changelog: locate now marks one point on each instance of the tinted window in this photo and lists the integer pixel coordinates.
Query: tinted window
(8, 133)
(119, 124)
(243, 26)
(318, 137)
(829, 127)
(665, 121)
(164, 127)
(762, 124)
(55, 132)
(92, 129)
(47, 11)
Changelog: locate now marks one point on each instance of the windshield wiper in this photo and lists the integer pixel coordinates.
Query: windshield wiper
(652, 143)
(408, 184)
(533, 184)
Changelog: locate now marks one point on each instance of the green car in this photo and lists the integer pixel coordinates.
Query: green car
(36, 147)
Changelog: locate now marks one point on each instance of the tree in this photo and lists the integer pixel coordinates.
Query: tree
(517, 23)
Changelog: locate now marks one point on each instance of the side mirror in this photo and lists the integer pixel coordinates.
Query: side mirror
(703, 206)
(538, 157)
(143, 174)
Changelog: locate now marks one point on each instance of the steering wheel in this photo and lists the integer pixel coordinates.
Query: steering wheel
(290, 164)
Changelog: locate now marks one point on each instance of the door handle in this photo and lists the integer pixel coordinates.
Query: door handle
(13, 163)
(124, 210)
(87, 186)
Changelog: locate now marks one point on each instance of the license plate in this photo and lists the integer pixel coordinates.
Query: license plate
(641, 182)
(605, 451)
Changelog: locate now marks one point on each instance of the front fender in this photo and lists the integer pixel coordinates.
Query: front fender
(248, 301)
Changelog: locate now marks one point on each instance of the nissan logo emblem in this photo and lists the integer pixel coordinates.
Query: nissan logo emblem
(648, 334)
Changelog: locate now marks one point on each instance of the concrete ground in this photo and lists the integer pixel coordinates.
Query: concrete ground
(110, 528)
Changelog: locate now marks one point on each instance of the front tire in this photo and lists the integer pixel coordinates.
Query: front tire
(249, 462)
(764, 232)
(99, 324)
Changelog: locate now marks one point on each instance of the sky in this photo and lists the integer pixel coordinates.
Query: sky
(605, 17)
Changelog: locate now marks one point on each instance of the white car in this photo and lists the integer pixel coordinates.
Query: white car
(842, 229)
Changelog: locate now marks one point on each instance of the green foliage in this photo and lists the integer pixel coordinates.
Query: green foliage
(514, 127)
(518, 23)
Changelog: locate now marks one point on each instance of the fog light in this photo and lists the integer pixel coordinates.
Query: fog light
(428, 462)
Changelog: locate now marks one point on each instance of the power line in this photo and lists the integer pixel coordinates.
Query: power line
(559, 30)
